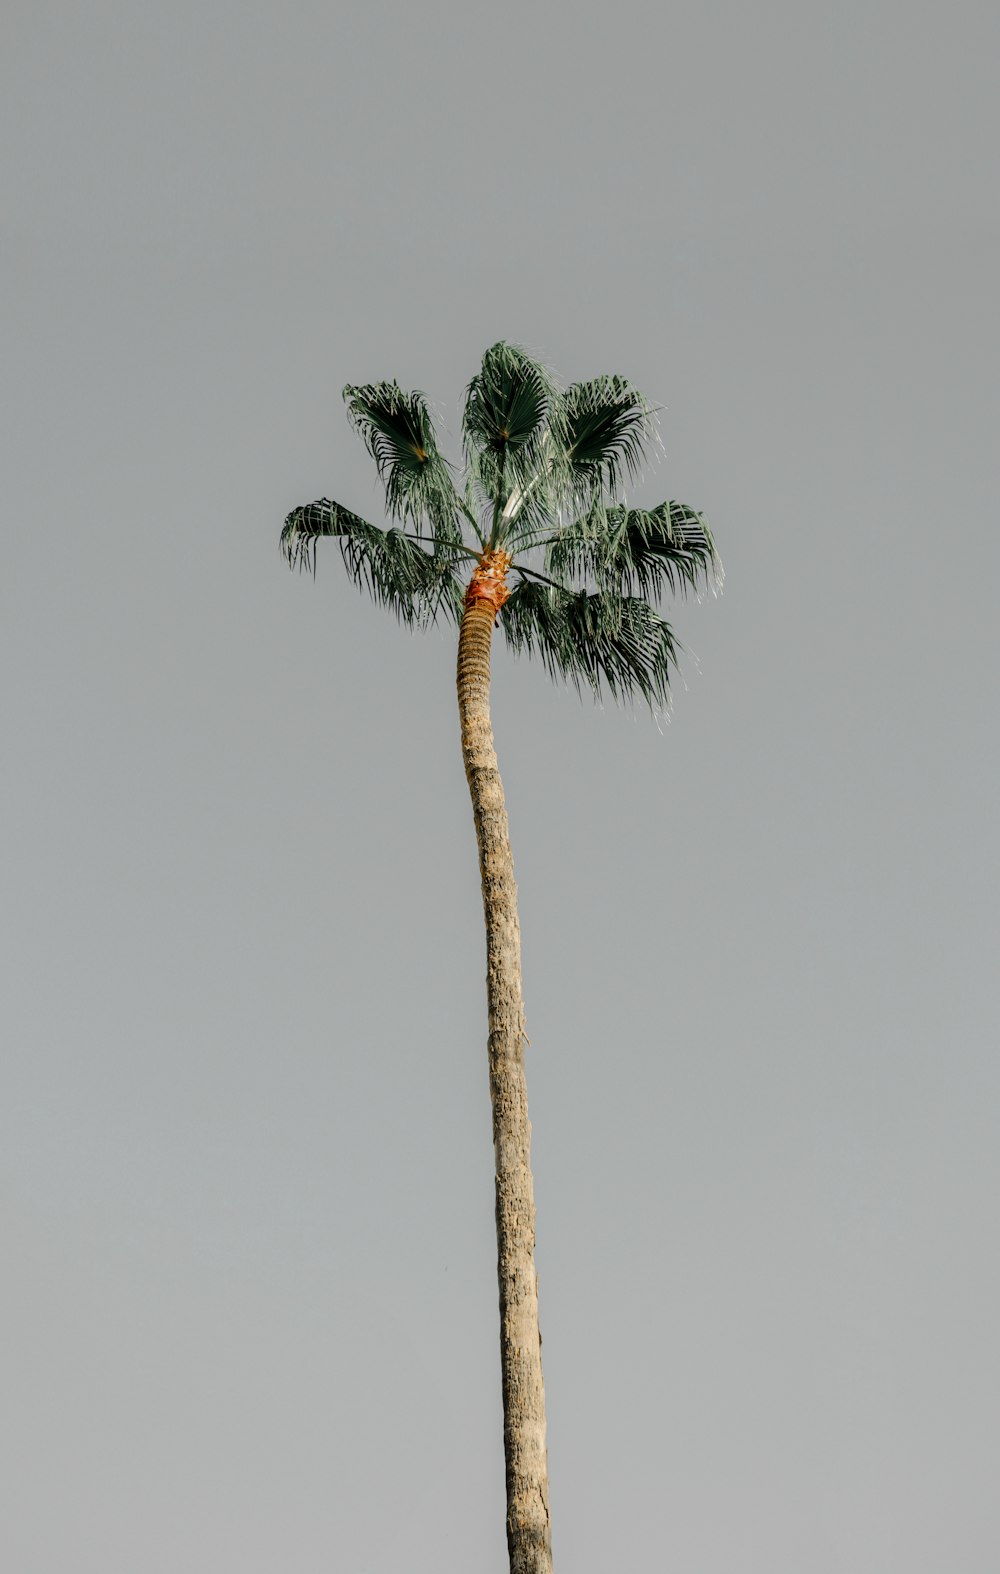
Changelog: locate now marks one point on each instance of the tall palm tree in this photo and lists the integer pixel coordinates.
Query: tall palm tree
(542, 499)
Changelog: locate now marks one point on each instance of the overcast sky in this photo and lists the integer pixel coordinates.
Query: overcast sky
(249, 1319)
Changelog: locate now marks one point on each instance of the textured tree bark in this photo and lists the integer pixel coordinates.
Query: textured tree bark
(528, 1532)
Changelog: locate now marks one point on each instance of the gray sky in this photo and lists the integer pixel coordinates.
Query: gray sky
(250, 1311)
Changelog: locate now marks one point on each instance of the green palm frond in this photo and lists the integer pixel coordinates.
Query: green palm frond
(397, 571)
(608, 426)
(505, 420)
(648, 550)
(399, 434)
(593, 640)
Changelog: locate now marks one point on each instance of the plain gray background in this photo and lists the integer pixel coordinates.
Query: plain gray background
(249, 1315)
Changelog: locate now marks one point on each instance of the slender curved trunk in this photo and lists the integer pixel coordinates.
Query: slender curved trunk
(528, 1532)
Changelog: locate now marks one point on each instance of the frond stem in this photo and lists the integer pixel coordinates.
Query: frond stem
(423, 540)
(473, 521)
(537, 539)
(536, 575)
(497, 515)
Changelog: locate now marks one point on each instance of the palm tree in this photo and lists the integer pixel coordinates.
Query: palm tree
(542, 499)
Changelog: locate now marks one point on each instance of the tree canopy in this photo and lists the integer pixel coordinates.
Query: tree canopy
(544, 481)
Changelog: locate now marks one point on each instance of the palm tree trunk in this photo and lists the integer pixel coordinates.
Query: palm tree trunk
(528, 1532)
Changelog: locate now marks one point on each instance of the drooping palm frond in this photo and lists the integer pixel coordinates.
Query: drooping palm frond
(397, 571)
(505, 422)
(593, 639)
(608, 427)
(649, 550)
(399, 434)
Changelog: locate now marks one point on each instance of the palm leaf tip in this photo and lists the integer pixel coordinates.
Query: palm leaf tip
(509, 409)
(648, 550)
(395, 425)
(298, 538)
(305, 525)
(595, 640)
(609, 426)
(398, 431)
(415, 584)
(506, 401)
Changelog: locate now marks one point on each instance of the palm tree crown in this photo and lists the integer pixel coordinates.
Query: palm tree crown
(542, 496)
